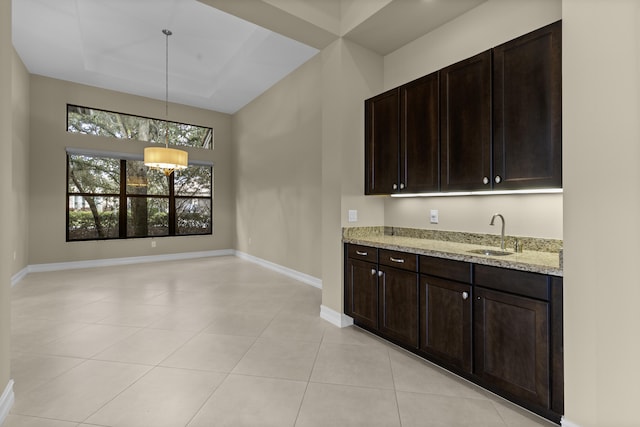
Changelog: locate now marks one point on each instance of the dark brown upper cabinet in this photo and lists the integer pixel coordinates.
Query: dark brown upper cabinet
(382, 142)
(465, 124)
(489, 122)
(527, 111)
(420, 135)
(402, 139)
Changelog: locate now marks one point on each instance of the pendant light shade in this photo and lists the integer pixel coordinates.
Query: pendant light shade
(164, 158)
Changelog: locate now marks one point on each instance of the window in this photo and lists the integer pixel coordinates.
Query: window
(112, 198)
(91, 121)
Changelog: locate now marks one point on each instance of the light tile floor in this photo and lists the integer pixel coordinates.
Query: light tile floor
(216, 342)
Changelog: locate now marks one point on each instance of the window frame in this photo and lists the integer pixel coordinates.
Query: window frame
(123, 198)
(210, 132)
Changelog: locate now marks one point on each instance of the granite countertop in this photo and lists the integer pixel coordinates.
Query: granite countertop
(544, 259)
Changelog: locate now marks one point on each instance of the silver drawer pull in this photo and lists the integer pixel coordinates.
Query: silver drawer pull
(361, 253)
(373, 271)
(465, 295)
(400, 260)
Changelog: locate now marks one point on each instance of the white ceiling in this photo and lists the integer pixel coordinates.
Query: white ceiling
(217, 61)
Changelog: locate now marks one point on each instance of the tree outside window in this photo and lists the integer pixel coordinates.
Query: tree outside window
(111, 198)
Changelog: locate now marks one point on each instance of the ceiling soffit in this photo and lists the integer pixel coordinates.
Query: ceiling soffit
(382, 26)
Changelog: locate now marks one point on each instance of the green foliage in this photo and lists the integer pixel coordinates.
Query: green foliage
(194, 222)
(158, 219)
(90, 121)
(97, 175)
(98, 180)
(82, 224)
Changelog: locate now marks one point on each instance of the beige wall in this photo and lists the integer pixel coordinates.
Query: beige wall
(531, 215)
(361, 77)
(350, 74)
(20, 164)
(488, 25)
(47, 178)
(277, 172)
(482, 28)
(601, 143)
(6, 170)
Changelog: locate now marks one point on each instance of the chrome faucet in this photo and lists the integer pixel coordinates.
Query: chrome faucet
(493, 218)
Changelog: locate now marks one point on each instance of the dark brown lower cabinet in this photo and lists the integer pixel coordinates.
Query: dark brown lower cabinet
(498, 327)
(399, 305)
(445, 321)
(361, 296)
(512, 344)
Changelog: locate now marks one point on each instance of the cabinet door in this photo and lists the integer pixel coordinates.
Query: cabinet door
(527, 115)
(361, 297)
(420, 135)
(512, 344)
(382, 143)
(399, 305)
(465, 124)
(445, 320)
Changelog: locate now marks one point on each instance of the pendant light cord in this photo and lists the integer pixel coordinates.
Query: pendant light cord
(166, 99)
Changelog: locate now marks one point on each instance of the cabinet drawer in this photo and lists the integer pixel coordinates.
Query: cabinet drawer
(366, 253)
(516, 282)
(401, 260)
(459, 271)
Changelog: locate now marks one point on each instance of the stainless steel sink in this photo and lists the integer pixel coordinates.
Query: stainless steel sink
(490, 252)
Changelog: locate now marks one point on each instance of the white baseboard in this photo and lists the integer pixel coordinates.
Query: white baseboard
(6, 401)
(302, 277)
(16, 278)
(109, 262)
(338, 319)
(566, 423)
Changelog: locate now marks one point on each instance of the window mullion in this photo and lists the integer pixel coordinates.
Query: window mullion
(68, 195)
(122, 214)
(172, 205)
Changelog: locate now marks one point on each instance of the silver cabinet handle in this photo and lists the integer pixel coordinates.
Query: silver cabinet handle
(401, 186)
(380, 273)
(373, 271)
(361, 253)
(399, 260)
(498, 179)
(485, 180)
(395, 186)
(465, 295)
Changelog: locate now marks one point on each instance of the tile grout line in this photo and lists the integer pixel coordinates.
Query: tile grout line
(395, 390)
(306, 387)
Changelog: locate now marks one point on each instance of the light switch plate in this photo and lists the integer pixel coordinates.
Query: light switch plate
(353, 215)
(433, 216)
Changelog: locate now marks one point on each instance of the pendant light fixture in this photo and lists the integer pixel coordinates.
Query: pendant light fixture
(164, 158)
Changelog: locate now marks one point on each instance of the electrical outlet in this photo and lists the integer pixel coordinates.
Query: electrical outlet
(153, 243)
(433, 216)
(353, 215)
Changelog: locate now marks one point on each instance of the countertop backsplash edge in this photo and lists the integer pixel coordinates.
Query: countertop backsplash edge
(539, 255)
